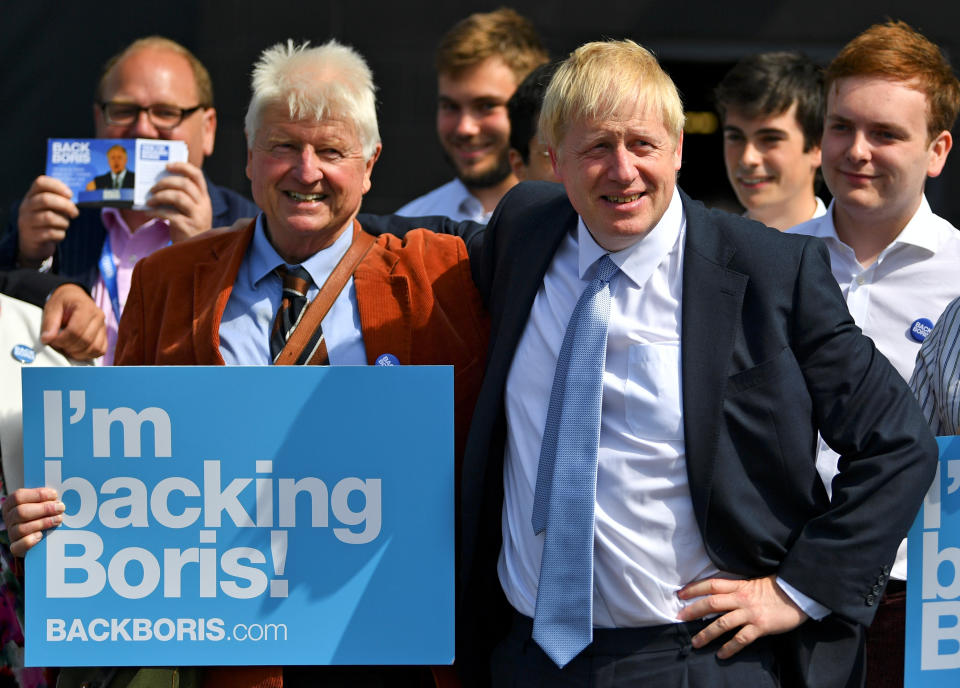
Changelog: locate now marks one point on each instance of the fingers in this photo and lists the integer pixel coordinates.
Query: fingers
(181, 198)
(50, 185)
(188, 171)
(716, 597)
(743, 637)
(73, 324)
(43, 219)
(184, 178)
(27, 513)
(731, 621)
(709, 586)
(756, 607)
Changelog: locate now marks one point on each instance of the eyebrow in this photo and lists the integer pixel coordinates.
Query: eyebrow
(764, 130)
(891, 126)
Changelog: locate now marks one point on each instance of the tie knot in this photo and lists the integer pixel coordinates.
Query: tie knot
(295, 279)
(606, 269)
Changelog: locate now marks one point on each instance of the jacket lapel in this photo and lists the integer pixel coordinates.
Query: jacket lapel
(524, 261)
(213, 281)
(711, 306)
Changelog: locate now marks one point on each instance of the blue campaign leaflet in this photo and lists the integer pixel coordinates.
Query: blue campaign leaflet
(242, 515)
(932, 658)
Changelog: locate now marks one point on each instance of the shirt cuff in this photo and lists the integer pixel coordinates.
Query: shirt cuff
(808, 606)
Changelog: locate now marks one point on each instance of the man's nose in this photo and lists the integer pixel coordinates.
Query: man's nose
(142, 127)
(308, 169)
(751, 156)
(621, 167)
(468, 124)
(859, 148)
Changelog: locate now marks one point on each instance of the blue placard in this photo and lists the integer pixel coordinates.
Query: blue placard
(932, 658)
(242, 515)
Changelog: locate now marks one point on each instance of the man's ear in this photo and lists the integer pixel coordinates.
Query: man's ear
(368, 172)
(554, 162)
(939, 149)
(209, 131)
(516, 164)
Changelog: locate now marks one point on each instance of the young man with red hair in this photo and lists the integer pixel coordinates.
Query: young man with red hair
(892, 99)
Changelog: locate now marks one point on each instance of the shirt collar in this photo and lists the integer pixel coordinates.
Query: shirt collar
(468, 204)
(820, 210)
(113, 222)
(638, 261)
(264, 257)
(919, 231)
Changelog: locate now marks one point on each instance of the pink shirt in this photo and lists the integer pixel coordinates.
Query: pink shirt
(127, 248)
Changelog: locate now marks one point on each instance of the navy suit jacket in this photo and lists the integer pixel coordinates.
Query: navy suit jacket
(29, 285)
(77, 255)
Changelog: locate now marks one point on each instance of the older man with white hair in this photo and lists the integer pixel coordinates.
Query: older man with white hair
(302, 283)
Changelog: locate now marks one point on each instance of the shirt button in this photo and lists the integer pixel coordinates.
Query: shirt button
(133, 259)
(860, 280)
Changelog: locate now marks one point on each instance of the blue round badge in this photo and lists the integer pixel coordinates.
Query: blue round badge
(23, 353)
(387, 360)
(920, 329)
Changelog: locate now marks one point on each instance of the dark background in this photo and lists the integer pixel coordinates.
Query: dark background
(51, 55)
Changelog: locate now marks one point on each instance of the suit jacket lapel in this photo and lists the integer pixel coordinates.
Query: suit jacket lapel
(213, 282)
(525, 259)
(711, 306)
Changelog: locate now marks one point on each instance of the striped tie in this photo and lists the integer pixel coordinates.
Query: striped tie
(296, 281)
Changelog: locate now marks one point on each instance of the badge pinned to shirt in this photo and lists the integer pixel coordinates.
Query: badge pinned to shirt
(387, 360)
(23, 353)
(920, 329)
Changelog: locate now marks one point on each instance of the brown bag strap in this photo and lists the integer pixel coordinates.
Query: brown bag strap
(310, 321)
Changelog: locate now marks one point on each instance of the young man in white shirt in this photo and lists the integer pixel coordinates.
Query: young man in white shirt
(892, 99)
(771, 106)
(480, 62)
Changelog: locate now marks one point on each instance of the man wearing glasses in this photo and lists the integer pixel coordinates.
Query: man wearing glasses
(154, 89)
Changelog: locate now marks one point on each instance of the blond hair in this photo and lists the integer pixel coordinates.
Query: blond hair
(604, 78)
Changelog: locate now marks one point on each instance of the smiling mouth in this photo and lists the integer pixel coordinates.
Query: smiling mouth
(623, 199)
(471, 151)
(301, 197)
(754, 181)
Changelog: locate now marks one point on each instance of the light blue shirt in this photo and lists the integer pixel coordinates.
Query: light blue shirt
(453, 199)
(248, 316)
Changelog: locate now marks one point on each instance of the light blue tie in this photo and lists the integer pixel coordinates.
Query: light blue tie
(567, 477)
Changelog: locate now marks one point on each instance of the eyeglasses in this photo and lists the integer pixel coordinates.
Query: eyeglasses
(163, 117)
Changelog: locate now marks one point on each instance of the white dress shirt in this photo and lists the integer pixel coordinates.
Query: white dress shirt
(647, 544)
(914, 277)
(452, 199)
(820, 210)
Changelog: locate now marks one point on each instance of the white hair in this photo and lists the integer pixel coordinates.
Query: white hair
(329, 81)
